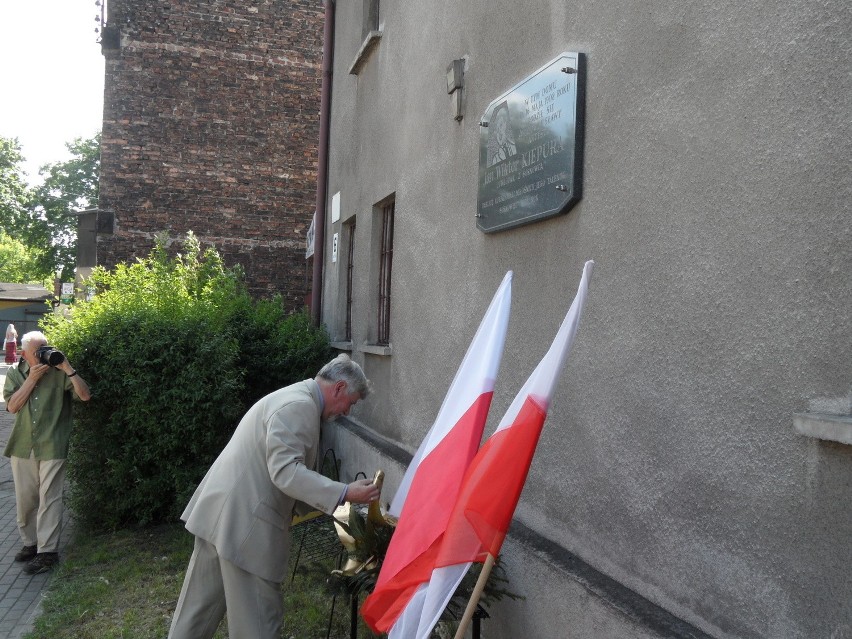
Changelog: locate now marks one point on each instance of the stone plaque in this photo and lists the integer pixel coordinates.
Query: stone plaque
(530, 147)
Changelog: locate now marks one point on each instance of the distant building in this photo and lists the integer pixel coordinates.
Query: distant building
(211, 114)
(23, 305)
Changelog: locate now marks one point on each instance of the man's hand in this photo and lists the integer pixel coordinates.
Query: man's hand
(81, 388)
(362, 491)
(22, 395)
(38, 371)
(65, 367)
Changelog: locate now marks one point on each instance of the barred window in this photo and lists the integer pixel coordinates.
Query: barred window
(385, 263)
(350, 268)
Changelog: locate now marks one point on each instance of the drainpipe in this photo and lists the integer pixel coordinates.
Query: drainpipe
(322, 164)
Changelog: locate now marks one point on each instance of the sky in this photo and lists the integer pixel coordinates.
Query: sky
(52, 75)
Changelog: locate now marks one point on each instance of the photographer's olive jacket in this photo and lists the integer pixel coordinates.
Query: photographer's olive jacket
(244, 504)
(43, 425)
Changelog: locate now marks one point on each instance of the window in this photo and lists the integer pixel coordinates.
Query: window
(350, 268)
(370, 20)
(385, 263)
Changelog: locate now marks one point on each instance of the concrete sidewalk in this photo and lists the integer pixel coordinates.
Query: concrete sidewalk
(20, 593)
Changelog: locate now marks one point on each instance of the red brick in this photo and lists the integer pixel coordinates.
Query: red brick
(207, 104)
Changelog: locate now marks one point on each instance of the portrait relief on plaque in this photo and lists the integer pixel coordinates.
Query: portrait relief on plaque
(530, 148)
(501, 137)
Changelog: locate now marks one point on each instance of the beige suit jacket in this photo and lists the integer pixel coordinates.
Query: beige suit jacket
(244, 504)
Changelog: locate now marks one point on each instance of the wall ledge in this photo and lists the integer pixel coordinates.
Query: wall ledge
(375, 349)
(836, 428)
(367, 46)
(385, 446)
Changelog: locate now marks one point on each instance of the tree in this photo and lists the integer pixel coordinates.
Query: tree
(69, 186)
(43, 219)
(14, 193)
(17, 262)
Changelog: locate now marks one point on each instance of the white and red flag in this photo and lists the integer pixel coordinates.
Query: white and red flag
(496, 477)
(431, 484)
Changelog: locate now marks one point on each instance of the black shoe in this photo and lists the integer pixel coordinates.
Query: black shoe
(42, 562)
(26, 553)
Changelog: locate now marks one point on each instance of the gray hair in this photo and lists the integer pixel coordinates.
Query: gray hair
(342, 368)
(29, 337)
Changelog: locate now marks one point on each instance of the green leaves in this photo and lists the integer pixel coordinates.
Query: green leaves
(18, 263)
(14, 194)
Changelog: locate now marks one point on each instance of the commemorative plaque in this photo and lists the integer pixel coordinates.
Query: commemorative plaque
(530, 147)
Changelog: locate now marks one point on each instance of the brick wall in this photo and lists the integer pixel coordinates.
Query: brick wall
(211, 124)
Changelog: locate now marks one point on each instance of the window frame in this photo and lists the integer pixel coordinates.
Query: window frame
(385, 254)
(350, 269)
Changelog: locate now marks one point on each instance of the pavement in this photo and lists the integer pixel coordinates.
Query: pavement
(20, 594)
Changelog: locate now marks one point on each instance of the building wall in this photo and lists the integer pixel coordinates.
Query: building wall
(716, 206)
(25, 315)
(211, 125)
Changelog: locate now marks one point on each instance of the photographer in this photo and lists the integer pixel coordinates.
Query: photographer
(38, 391)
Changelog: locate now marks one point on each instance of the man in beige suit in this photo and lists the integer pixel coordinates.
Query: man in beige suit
(240, 513)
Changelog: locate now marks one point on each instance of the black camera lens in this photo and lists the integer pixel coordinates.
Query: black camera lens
(50, 356)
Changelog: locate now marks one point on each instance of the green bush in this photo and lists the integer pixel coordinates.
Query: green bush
(174, 351)
(277, 349)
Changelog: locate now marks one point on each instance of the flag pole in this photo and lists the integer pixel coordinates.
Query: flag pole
(475, 596)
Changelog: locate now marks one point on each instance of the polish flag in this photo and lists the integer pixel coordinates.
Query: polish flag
(496, 477)
(431, 484)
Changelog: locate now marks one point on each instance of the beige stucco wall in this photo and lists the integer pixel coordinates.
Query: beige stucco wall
(716, 207)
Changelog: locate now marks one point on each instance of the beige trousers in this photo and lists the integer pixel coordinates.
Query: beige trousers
(38, 496)
(255, 606)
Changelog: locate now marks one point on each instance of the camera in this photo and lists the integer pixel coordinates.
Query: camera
(49, 355)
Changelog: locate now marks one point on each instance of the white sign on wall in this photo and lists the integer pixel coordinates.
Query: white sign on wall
(335, 207)
(309, 239)
(67, 293)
